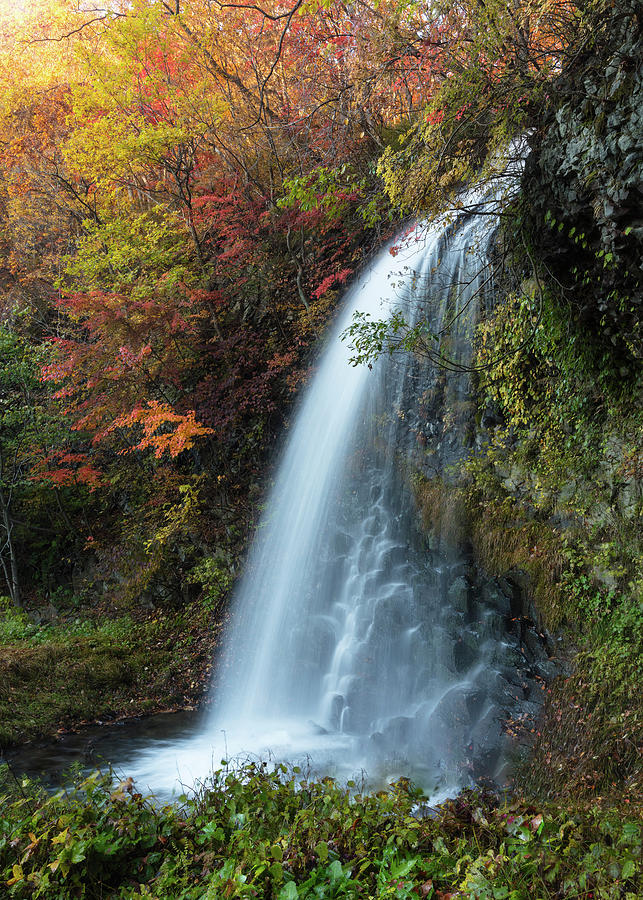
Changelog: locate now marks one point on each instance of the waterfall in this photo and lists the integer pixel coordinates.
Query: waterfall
(352, 644)
(338, 620)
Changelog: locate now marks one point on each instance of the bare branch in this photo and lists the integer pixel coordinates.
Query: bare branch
(74, 31)
(272, 17)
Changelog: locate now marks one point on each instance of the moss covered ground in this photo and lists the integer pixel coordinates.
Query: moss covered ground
(86, 667)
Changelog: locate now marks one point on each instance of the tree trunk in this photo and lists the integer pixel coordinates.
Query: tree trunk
(8, 549)
(300, 272)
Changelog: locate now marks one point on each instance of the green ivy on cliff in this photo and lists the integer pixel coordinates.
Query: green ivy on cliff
(556, 492)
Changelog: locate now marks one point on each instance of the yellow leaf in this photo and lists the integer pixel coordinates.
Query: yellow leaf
(18, 875)
(60, 838)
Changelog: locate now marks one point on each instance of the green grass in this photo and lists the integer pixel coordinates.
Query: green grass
(81, 670)
(16, 627)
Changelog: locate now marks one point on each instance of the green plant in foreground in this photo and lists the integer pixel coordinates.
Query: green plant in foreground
(269, 833)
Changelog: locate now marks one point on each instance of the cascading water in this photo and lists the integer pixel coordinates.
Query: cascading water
(351, 644)
(341, 626)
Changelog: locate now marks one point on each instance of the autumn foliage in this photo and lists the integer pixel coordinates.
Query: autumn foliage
(186, 189)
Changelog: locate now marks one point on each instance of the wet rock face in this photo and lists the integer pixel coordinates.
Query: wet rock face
(587, 172)
(496, 663)
(504, 662)
(470, 665)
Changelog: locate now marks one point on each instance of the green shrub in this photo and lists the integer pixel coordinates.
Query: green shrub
(268, 833)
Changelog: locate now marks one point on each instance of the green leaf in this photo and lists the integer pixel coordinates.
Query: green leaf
(288, 892)
(631, 830)
(629, 868)
(78, 852)
(277, 871)
(335, 871)
(402, 869)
